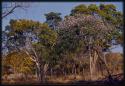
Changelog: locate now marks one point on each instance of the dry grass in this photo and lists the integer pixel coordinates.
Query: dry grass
(65, 79)
(52, 79)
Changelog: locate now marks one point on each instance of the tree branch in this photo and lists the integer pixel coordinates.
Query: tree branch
(9, 12)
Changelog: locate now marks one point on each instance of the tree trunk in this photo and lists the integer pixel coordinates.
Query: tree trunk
(75, 72)
(45, 68)
(65, 72)
(95, 57)
(107, 69)
(101, 57)
(79, 71)
(90, 57)
(72, 70)
(83, 73)
(90, 66)
(100, 69)
(51, 72)
(38, 72)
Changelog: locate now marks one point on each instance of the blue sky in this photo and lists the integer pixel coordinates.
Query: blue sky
(37, 10)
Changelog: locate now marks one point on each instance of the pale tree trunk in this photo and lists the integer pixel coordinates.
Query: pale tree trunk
(101, 57)
(90, 57)
(95, 57)
(45, 68)
(42, 72)
(93, 60)
(39, 67)
(39, 73)
(34, 57)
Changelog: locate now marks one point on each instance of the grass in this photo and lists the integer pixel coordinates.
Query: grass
(53, 79)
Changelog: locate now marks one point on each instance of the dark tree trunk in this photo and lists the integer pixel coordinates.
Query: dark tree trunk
(72, 70)
(75, 71)
(83, 73)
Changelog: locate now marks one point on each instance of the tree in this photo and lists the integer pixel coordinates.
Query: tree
(52, 19)
(80, 9)
(90, 29)
(93, 9)
(47, 41)
(35, 39)
(80, 42)
(107, 12)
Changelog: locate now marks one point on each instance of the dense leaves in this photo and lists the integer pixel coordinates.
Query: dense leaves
(52, 19)
(71, 45)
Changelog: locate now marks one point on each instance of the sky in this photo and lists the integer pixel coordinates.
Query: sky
(36, 11)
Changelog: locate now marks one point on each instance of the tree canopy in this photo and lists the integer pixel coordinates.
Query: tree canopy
(72, 44)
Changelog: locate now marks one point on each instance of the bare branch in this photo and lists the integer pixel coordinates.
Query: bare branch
(11, 11)
(9, 8)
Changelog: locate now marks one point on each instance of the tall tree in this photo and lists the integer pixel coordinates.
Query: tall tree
(52, 19)
(89, 29)
(35, 39)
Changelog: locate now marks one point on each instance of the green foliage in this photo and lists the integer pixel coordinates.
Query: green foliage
(45, 46)
(52, 19)
(53, 15)
(48, 37)
(79, 9)
(109, 15)
(120, 39)
(93, 8)
(22, 24)
(107, 12)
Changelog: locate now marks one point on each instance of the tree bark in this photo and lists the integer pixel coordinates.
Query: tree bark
(83, 73)
(51, 72)
(95, 63)
(90, 66)
(101, 57)
(72, 69)
(38, 72)
(45, 68)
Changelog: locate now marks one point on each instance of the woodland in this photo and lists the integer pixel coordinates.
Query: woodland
(73, 49)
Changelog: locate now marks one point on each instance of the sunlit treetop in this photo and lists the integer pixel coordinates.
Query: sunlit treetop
(107, 12)
(22, 24)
